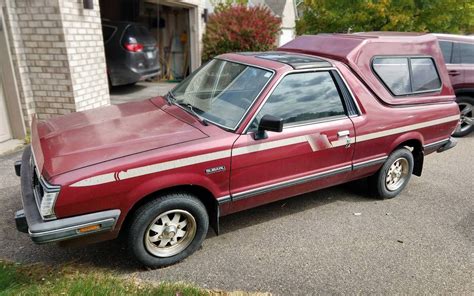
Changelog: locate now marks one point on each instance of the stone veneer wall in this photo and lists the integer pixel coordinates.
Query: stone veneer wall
(58, 56)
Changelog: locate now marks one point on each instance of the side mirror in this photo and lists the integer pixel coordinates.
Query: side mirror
(268, 123)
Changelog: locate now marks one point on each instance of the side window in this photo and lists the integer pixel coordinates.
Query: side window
(447, 50)
(107, 33)
(395, 74)
(407, 75)
(303, 97)
(424, 75)
(467, 53)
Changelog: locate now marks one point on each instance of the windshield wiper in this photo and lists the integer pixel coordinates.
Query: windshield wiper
(191, 108)
(170, 98)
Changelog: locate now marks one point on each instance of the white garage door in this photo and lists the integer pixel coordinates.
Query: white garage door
(5, 133)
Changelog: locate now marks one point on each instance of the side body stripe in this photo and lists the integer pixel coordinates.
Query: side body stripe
(151, 169)
(178, 163)
(407, 128)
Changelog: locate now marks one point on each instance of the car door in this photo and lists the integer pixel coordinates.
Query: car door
(466, 52)
(461, 70)
(314, 150)
(450, 52)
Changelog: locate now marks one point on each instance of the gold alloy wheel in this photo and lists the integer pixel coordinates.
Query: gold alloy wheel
(397, 174)
(170, 233)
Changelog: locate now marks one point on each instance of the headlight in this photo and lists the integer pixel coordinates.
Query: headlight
(47, 205)
(45, 193)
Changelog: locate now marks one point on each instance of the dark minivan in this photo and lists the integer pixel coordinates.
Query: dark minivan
(130, 51)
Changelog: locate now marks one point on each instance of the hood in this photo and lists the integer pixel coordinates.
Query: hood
(82, 139)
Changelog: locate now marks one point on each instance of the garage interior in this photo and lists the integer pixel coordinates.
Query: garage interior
(168, 22)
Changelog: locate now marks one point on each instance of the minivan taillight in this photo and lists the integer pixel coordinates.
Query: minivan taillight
(133, 47)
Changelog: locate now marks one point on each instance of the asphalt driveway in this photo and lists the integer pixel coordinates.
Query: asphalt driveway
(337, 240)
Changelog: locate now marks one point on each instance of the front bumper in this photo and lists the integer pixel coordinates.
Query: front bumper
(122, 75)
(29, 219)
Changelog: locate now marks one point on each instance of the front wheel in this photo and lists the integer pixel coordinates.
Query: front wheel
(168, 229)
(394, 175)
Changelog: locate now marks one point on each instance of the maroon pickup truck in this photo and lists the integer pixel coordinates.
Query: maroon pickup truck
(244, 130)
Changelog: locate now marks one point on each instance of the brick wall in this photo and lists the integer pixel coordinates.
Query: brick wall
(58, 56)
(85, 49)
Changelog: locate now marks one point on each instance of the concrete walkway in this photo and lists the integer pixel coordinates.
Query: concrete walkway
(139, 91)
(10, 146)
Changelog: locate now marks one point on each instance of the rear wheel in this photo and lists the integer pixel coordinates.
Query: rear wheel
(394, 175)
(466, 124)
(168, 229)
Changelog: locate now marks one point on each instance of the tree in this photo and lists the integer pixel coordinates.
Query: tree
(442, 16)
(235, 28)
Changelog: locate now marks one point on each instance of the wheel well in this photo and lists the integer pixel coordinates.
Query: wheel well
(465, 92)
(204, 195)
(418, 156)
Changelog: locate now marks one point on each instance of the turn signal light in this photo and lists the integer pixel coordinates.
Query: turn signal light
(89, 228)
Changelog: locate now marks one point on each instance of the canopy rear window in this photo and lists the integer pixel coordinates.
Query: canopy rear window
(407, 75)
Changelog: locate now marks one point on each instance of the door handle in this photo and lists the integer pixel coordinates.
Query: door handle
(345, 134)
(453, 73)
(341, 134)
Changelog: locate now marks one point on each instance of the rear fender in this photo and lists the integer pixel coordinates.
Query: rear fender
(415, 140)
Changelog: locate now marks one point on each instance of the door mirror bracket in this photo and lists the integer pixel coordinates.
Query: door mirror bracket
(268, 123)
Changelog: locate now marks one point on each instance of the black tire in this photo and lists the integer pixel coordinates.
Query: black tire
(143, 217)
(465, 104)
(378, 182)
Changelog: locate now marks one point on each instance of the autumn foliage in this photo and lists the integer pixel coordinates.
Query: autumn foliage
(341, 16)
(236, 28)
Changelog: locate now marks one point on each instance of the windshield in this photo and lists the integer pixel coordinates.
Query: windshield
(222, 91)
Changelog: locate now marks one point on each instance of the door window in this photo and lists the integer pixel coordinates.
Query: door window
(467, 53)
(447, 50)
(303, 97)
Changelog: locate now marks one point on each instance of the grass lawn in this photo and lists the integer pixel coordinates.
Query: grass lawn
(18, 279)
(37, 279)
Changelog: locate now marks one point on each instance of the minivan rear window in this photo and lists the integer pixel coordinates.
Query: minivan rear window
(138, 34)
(407, 75)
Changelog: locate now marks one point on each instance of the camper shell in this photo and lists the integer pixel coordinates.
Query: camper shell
(358, 51)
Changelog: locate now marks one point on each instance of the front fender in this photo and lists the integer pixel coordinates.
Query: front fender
(168, 181)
